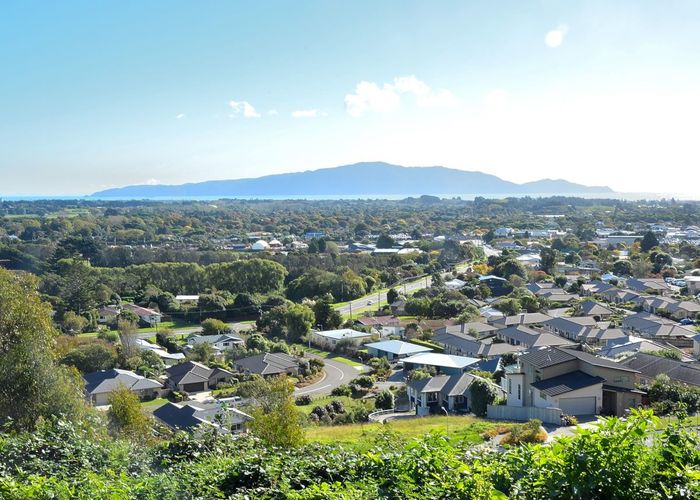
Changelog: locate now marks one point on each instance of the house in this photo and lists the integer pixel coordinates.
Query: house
(650, 366)
(574, 381)
(107, 314)
(148, 316)
(569, 327)
(195, 377)
(595, 309)
(184, 299)
(269, 364)
(168, 358)
(260, 246)
(527, 337)
(218, 342)
(559, 296)
(531, 260)
(520, 319)
(682, 309)
(475, 329)
(442, 363)
(193, 416)
(442, 393)
(383, 325)
(619, 296)
(693, 284)
(99, 385)
(330, 339)
(628, 345)
(398, 307)
(655, 327)
(649, 285)
(463, 344)
(455, 284)
(600, 336)
(394, 349)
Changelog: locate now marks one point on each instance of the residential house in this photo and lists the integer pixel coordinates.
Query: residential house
(649, 285)
(194, 416)
(269, 364)
(498, 286)
(168, 358)
(529, 338)
(455, 284)
(463, 344)
(655, 327)
(99, 385)
(331, 339)
(187, 299)
(475, 329)
(442, 363)
(693, 284)
(442, 393)
(148, 316)
(650, 366)
(595, 309)
(218, 342)
(394, 349)
(382, 325)
(531, 260)
(600, 336)
(195, 377)
(107, 314)
(398, 307)
(527, 319)
(623, 347)
(574, 381)
(570, 327)
(619, 296)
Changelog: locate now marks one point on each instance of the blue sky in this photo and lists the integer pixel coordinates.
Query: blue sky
(101, 94)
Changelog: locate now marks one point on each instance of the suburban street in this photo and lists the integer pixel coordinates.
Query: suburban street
(377, 299)
(336, 374)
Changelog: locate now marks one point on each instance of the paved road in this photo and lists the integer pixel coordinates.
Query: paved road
(336, 374)
(235, 327)
(376, 300)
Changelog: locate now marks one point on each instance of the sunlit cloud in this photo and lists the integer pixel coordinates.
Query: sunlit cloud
(308, 113)
(244, 108)
(555, 37)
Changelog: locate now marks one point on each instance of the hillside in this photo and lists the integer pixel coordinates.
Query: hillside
(375, 178)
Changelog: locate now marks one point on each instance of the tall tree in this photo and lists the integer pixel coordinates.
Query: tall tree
(648, 242)
(275, 417)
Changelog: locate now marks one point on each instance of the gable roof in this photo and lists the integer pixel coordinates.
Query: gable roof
(593, 308)
(552, 356)
(650, 366)
(567, 382)
(188, 416)
(398, 347)
(343, 333)
(268, 363)
(450, 385)
(109, 380)
(442, 360)
(189, 372)
(532, 338)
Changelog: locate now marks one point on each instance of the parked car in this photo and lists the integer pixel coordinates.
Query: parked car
(686, 321)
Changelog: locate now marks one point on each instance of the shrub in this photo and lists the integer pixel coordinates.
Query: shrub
(530, 432)
(342, 390)
(384, 400)
(569, 420)
(303, 400)
(364, 381)
(481, 394)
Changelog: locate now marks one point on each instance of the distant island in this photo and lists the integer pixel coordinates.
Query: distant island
(359, 179)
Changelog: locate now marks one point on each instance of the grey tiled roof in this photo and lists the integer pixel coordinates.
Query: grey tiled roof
(650, 366)
(566, 383)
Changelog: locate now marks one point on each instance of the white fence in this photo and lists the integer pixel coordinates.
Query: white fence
(524, 413)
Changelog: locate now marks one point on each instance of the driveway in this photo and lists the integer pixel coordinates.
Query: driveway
(336, 374)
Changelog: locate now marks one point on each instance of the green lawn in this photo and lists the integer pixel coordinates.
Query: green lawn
(460, 429)
(329, 355)
(154, 402)
(346, 400)
(165, 325)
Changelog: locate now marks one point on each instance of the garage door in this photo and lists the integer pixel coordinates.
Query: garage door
(577, 406)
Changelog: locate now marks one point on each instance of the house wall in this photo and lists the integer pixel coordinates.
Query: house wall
(553, 402)
(514, 387)
(546, 415)
(612, 376)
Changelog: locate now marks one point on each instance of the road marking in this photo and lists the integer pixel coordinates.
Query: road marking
(314, 390)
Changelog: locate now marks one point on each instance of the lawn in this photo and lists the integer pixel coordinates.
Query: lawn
(346, 400)
(154, 402)
(329, 355)
(460, 429)
(165, 325)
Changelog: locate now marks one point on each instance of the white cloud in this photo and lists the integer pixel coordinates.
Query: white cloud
(180, 116)
(243, 107)
(272, 112)
(554, 38)
(370, 97)
(308, 113)
(152, 182)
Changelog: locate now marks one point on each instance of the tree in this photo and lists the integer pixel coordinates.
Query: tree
(73, 323)
(509, 307)
(391, 296)
(384, 400)
(125, 416)
(326, 315)
(276, 420)
(548, 259)
(468, 314)
(31, 385)
(622, 268)
(299, 320)
(213, 326)
(202, 352)
(648, 242)
(385, 241)
(481, 394)
(91, 357)
(127, 337)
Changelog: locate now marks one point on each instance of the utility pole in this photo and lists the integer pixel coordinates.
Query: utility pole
(350, 304)
(379, 300)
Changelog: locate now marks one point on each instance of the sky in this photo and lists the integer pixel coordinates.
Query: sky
(112, 93)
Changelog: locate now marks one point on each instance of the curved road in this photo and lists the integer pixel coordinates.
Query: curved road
(336, 374)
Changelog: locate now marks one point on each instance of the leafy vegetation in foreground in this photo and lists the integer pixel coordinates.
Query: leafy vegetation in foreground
(621, 459)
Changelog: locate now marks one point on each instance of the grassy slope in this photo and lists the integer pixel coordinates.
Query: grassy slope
(458, 428)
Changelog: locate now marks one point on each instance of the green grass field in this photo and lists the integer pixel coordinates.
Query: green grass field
(329, 355)
(460, 429)
(346, 400)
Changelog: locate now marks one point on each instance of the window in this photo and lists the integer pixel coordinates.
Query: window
(510, 386)
(432, 397)
(543, 396)
(518, 391)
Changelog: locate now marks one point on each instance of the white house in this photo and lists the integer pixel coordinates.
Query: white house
(330, 339)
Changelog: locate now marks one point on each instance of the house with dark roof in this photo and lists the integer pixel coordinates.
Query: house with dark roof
(194, 416)
(462, 344)
(529, 337)
(195, 377)
(99, 385)
(269, 364)
(655, 327)
(570, 327)
(649, 285)
(595, 309)
(526, 319)
(475, 329)
(650, 366)
(442, 393)
(574, 381)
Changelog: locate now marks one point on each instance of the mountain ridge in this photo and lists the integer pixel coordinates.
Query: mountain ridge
(366, 178)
